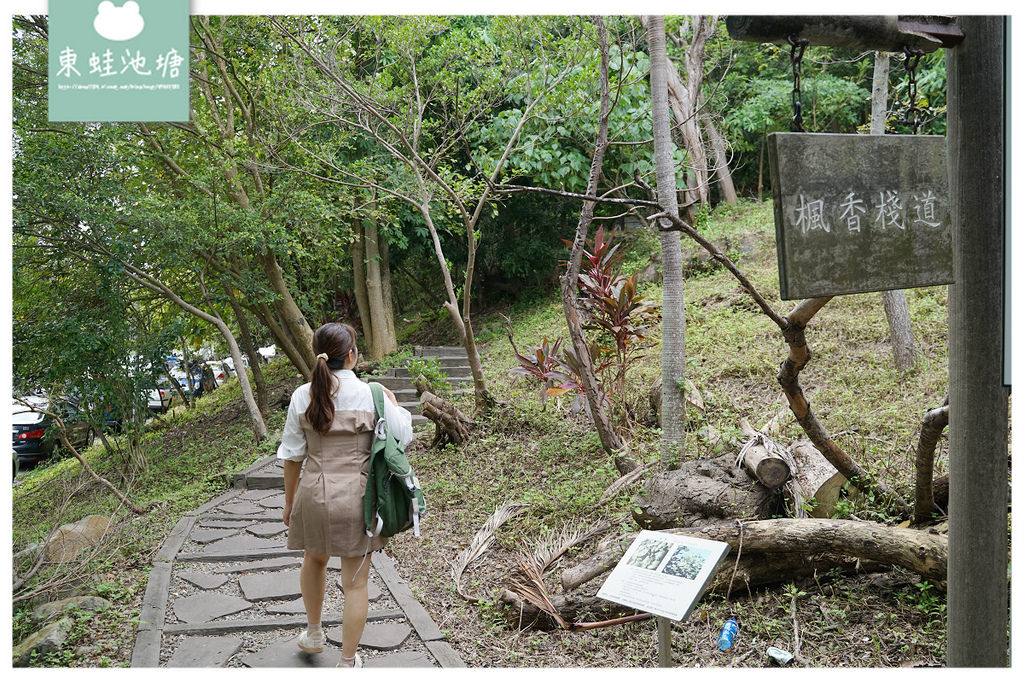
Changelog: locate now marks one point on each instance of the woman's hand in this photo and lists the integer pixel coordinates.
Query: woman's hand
(286, 514)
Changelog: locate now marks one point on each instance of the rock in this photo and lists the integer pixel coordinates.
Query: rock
(48, 611)
(652, 271)
(71, 539)
(47, 640)
(86, 651)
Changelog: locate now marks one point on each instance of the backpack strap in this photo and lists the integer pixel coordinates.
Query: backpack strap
(378, 406)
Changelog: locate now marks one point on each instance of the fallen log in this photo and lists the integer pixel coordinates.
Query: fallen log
(573, 609)
(816, 479)
(702, 492)
(771, 470)
(451, 424)
(922, 552)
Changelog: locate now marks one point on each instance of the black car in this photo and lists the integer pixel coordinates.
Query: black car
(35, 434)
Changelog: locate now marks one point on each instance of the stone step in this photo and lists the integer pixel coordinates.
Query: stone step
(439, 351)
(451, 371)
(448, 361)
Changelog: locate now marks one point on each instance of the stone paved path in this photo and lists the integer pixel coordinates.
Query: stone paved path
(224, 592)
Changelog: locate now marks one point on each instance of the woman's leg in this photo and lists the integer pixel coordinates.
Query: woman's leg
(354, 573)
(312, 581)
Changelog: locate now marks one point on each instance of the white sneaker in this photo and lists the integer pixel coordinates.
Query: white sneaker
(358, 664)
(311, 643)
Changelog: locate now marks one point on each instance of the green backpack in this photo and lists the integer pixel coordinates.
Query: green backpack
(394, 500)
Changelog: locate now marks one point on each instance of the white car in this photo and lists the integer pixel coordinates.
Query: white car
(221, 370)
(162, 396)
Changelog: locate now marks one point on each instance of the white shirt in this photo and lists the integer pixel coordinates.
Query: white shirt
(352, 394)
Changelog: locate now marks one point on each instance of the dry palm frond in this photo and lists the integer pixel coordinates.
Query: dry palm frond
(478, 546)
(531, 588)
(553, 544)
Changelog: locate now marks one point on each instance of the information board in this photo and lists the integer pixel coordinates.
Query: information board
(860, 213)
(664, 574)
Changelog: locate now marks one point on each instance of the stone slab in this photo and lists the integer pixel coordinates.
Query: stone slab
(204, 651)
(399, 660)
(204, 581)
(295, 606)
(146, 652)
(154, 602)
(445, 654)
(208, 606)
(223, 498)
(282, 623)
(259, 565)
(240, 543)
(425, 627)
(373, 591)
(285, 653)
(226, 523)
(245, 508)
(267, 529)
(256, 494)
(239, 555)
(273, 502)
(205, 536)
(860, 213)
(278, 585)
(382, 636)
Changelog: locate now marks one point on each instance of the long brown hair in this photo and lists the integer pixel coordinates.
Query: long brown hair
(335, 340)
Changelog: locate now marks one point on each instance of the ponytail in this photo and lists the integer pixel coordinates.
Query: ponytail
(332, 343)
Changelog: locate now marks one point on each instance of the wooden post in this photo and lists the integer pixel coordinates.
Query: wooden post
(664, 642)
(978, 607)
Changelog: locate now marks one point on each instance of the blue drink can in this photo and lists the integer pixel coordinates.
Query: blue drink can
(728, 634)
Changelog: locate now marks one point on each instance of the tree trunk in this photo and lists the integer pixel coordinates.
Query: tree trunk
(283, 339)
(934, 422)
(718, 147)
(682, 96)
(702, 492)
(153, 284)
(262, 393)
(673, 324)
(904, 346)
(293, 320)
(922, 552)
(609, 439)
(380, 345)
(760, 167)
(387, 295)
(359, 284)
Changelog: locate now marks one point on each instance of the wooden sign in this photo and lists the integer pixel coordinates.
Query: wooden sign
(860, 213)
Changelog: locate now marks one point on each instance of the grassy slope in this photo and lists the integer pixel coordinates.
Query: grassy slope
(552, 461)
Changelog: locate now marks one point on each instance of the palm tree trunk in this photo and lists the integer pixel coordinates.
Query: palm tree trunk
(673, 325)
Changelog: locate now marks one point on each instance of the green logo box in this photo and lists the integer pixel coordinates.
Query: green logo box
(126, 60)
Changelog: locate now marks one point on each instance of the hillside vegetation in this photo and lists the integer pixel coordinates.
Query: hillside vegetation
(550, 460)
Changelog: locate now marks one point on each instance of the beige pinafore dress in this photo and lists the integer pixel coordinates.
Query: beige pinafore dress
(327, 515)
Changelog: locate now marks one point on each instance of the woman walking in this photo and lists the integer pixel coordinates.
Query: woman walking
(326, 451)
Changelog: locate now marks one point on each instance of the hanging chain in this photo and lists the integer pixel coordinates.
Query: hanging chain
(913, 58)
(796, 54)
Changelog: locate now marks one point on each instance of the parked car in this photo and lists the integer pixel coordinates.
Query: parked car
(220, 370)
(162, 396)
(34, 432)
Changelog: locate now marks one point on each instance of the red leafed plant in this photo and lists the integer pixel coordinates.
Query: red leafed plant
(612, 308)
